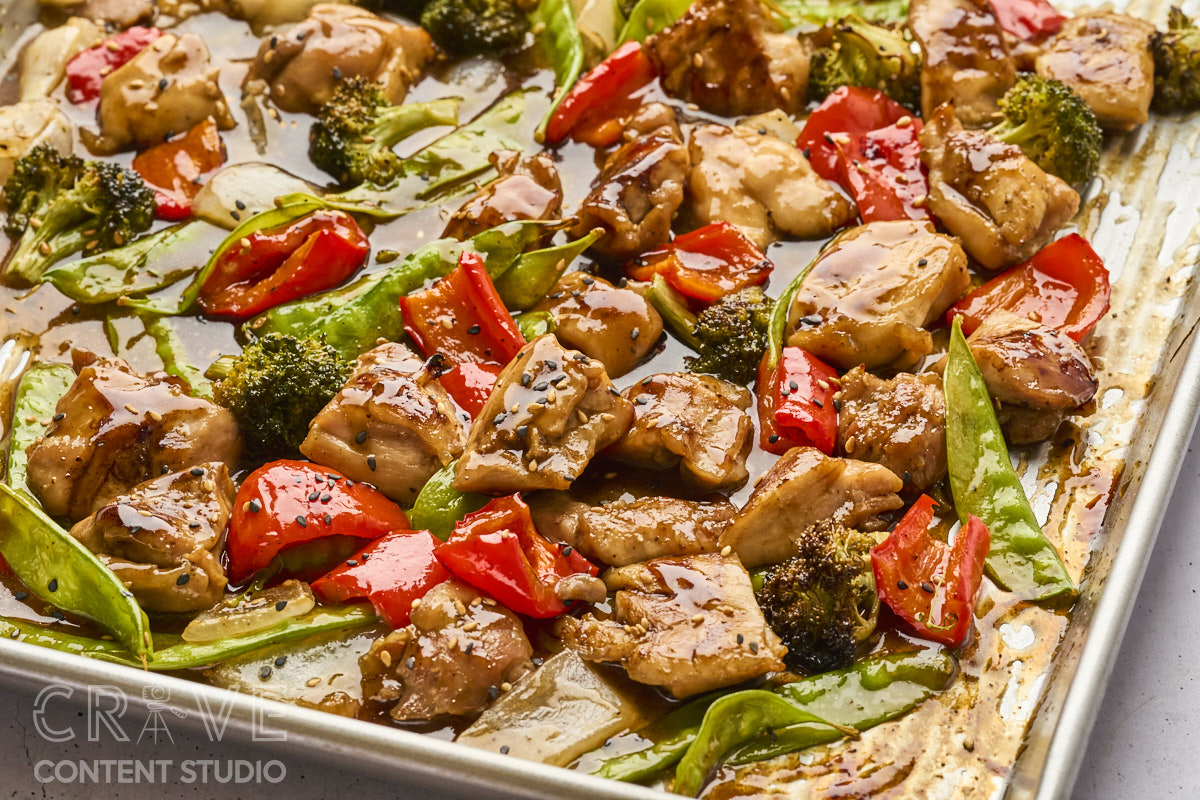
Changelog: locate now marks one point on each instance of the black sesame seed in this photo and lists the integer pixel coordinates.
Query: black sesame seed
(474, 329)
(274, 41)
(784, 391)
(636, 332)
(927, 587)
(197, 472)
(52, 585)
(551, 365)
(526, 378)
(411, 662)
(301, 521)
(493, 692)
(566, 550)
(588, 280)
(194, 525)
(922, 262)
(818, 403)
(265, 672)
(371, 463)
(837, 404)
(901, 585)
(541, 386)
(642, 400)
(522, 430)
(504, 749)
(235, 215)
(281, 605)
(754, 647)
(337, 73)
(279, 662)
(240, 205)
(575, 293)
(470, 646)
(183, 579)
(740, 638)
(165, 469)
(773, 438)
(328, 519)
(255, 507)
(351, 563)
(360, 437)
(499, 418)
(795, 387)
(325, 498)
(21, 596)
(537, 662)
(559, 381)
(60, 416)
(163, 83)
(58, 615)
(312, 498)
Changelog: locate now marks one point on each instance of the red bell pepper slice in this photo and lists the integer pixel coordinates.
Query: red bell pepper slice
(286, 503)
(1064, 286)
(499, 551)
(706, 264)
(598, 106)
(174, 168)
(795, 403)
(882, 171)
(277, 265)
(392, 572)
(850, 110)
(931, 585)
(1029, 20)
(463, 318)
(88, 69)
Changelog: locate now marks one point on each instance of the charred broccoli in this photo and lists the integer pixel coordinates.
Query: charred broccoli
(60, 204)
(275, 388)
(474, 27)
(732, 335)
(822, 602)
(862, 54)
(1176, 54)
(1053, 126)
(356, 130)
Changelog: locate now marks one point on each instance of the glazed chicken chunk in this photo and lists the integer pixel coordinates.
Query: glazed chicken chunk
(1105, 57)
(872, 291)
(115, 428)
(617, 326)
(454, 657)
(1001, 205)
(762, 185)
(627, 531)
(965, 60)
(303, 66)
(23, 126)
(899, 423)
(689, 624)
(551, 410)
(805, 488)
(528, 188)
(163, 538)
(392, 425)
(697, 423)
(1036, 374)
(729, 58)
(165, 89)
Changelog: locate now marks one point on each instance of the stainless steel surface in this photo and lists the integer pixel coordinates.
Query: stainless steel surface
(1152, 190)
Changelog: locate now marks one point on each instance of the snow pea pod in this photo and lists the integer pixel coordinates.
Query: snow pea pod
(983, 482)
(37, 395)
(170, 349)
(352, 318)
(535, 323)
(651, 16)
(193, 655)
(534, 274)
(559, 36)
(439, 505)
(64, 573)
(790, 13)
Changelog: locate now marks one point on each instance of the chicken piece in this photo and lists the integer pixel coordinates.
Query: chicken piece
(528, 188)
(303, 66)
(115, 428)
(803, 489)
(551, 410)
(696, 422)
(964, 58)
(119, 14)
(625, 531)
(391, 425)
(617, 326)
(165, 89)
(44, 60)
(872, 291)
(1105, 57)
(23, 126)
(1001, 205)
(638, 191)
(899, 423)
(1036, 374)
(460, 648)
(163, 539)
(729, 58)
(762, 185)
(689, 624)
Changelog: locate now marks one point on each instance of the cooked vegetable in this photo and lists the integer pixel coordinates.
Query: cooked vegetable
(170, 350)
(790, 13)
(732, 334)
(851, 110)
(283, 507)
(1053, 126)
(882, 171)
(599, 104)
(534, 274)
(707, 263)
(440, 506)
(87, 70)
(1064, 286)
(174, 169)
(355, 132)
(982, 480)
(862, 54)
(472, 27)
(276, 386)
(930, 584)
(651, 16)
(37, 395)
(559, 37)
(822, 602)
(60, 205)
(1176, 54)
(62, 572)
(796, 405)
(1030, 20)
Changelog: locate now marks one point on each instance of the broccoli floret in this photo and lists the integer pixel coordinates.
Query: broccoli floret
(1176, 54)
(1053, 126)
(862, 54)
(356, 130)
(474, 27)
(60, 204)
(732, 334)
(822, 602)
(275, 388)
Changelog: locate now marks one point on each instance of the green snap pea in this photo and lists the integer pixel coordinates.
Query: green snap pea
(439, 505)
(37, 395)
(559, 36)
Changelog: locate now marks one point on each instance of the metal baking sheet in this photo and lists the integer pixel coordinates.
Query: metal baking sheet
(1017, 725)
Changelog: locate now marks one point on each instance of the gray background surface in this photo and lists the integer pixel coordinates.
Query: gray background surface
(1145, 742)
